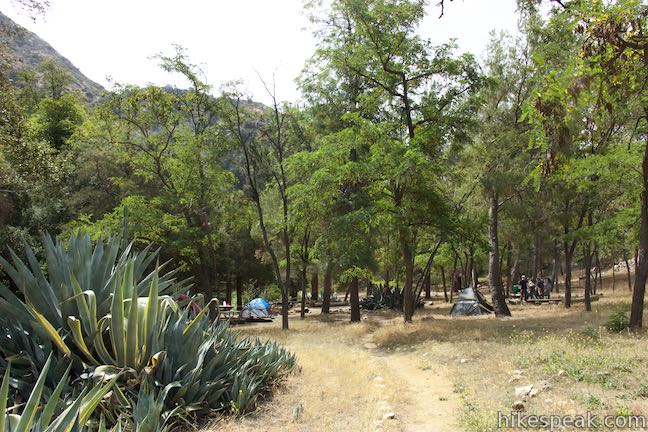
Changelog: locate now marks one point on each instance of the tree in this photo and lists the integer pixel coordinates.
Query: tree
(402, 81)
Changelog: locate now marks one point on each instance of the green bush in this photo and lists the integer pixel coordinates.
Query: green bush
(272, 293)
(619, 320)
(106, 314)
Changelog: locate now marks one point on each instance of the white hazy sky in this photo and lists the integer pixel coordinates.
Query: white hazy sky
(229, 39)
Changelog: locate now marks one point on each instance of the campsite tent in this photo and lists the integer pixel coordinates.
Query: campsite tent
(470, 302)
(257, 309)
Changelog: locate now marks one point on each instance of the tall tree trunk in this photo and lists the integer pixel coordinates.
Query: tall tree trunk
(428, 286)
(587, 254)
(599, 268)
(613, 277)
(515, 268)
(641, 263)
(556, 265)
(355, 299)
(625, 258)
(328, 278)
(386, 280)
(508, 266)
(315, 286)
(445, 287)
(587, 258)
(568, 275)
(469, 275)
(228, 288)
(295, 287)
(494, 273)
(304, 284)
(408, 291)
(239, 292)
(454, 277)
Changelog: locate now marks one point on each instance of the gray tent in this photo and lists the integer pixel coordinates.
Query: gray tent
(470, 302)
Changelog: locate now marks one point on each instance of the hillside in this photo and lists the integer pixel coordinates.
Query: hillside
(26, 50)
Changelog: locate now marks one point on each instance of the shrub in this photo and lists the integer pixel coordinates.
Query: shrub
(619, 320)
(101, 315)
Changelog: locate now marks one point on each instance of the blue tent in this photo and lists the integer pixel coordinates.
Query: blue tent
(258, 303)
(257, 309)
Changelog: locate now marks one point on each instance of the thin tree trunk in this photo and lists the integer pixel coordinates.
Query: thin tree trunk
(641, 262)
(328, 277)
(304, 284)
(600, 270)
(494, 273)
(587, 254)
(239, 292)
(556, 265)
(428, 286)
(613, 277)
(625, 258)
(508, 266)
(515, 269)
(228, 288)
(536, 256)
(568, 275)
(386, 280)
(408, 292)
(315, 287)
(355, 300)
(445, 288)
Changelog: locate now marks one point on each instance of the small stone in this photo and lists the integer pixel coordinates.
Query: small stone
(545, 385)
(463, 360)
(389, 416)
(534, 392)
(518, 405)
(522, 391)
(561, 372)
(518, 372)
(298, 411)
(378, 378)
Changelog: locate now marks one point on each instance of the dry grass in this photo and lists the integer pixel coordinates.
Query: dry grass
(589, 369)
(332, 398)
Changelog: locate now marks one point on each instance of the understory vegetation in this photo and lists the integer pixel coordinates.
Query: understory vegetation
(96, 335)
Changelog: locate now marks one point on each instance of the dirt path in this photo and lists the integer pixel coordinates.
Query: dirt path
(348, 384)
(424, 400)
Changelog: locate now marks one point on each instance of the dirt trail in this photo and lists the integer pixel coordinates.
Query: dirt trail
(348, 384)
(424, 400)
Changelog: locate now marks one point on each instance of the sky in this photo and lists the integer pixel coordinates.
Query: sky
(229, 40)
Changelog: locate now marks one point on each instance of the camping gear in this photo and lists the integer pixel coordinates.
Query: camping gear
(470, 302)
(257, 309)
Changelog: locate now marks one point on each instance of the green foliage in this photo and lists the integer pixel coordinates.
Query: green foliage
(619, 320)
(100, 311)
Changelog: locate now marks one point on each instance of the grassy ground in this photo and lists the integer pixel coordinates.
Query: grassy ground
(449, 374)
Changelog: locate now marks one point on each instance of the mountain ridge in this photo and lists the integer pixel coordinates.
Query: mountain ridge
(26, 50)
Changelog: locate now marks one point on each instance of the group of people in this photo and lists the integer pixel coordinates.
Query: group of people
(530, 290)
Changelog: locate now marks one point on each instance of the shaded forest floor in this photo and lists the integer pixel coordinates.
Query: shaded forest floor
(449, 374)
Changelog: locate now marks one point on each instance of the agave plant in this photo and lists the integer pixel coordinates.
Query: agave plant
(118, 324)
(53, 416)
